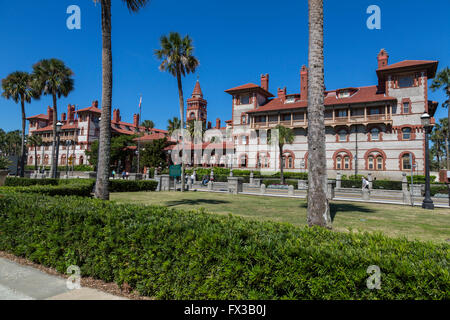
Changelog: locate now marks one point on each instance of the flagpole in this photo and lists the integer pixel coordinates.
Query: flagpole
(139, 140)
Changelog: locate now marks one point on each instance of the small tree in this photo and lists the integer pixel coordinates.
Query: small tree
(176, 55)
(154, 155)
(285, 136)
(17, 87)
(442, 80)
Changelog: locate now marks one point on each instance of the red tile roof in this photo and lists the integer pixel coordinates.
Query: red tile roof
(39, 116)
(151, 137)
(90, 109)
(430, 65)
(249, 86)
(363, 94)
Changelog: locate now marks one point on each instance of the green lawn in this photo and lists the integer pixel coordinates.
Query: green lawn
(392, 220)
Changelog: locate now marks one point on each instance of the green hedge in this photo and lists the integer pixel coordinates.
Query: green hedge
(79, 189)
(132, 186)
(387, 184)
(438, 189)
(171, 254)
(420, 179)
(16, 182)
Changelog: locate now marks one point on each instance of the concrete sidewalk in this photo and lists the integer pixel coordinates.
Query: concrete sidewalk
(19, 282)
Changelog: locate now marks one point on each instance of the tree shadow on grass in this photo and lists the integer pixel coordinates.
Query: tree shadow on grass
(193, 202)
(344, 207)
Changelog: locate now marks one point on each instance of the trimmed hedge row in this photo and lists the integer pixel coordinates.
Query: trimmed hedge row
(171, 254)
(23, 182)
(77, 187)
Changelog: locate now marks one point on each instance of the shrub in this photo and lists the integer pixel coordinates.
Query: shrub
(172, 254)
(438, 189)
(420, 179)
(22, 182)
(351, 183)
(387, 184)
(132, 186)
(79, 189)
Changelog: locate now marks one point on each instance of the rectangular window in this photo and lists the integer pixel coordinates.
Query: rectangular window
(342, 113)
(406, 107)
(404, 82)
(245, 99)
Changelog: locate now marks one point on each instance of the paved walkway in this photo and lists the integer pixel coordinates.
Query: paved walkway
(19, 282)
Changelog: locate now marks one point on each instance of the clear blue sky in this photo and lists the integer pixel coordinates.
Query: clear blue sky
(236, 41)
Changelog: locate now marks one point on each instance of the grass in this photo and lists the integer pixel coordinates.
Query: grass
(392, 220)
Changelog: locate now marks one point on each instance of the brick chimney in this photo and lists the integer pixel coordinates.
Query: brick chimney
(136, 120)
(382, 58)
(209, 125)
(217, 123)
(95, 104)
(265, 82)
(282, 93)
(70, 113)
(304, 83)
(63, 117)
(50, 113)
(116, 115)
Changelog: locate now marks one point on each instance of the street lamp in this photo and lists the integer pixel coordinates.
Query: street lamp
(426, 123)
(58, 140)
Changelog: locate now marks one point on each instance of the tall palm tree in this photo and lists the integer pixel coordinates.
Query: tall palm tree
(318, 206)
(442, 80)
(53, 77)
(35, 141)
(17, 86)
(176, 55)
(173, 124)
(102, 183)
(285, 136)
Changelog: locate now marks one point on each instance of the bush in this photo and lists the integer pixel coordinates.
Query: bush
(79, 189)
(420, 179)
(22, 182)
(387, 184)
(132, 186)
(351, 183)
(171, 254)
(438, 189)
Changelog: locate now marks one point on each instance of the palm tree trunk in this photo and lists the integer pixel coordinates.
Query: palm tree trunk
(318, 206)
(35, 158)
(102, 184)
(180, 95)
(281, 165)
(54, 154)
(22, 157)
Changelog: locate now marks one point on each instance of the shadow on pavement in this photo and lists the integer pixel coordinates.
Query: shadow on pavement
(344, 207)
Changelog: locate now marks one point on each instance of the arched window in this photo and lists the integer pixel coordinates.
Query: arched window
(81, 161)
(406, 134)
(375, 160)
(46, 159)
(38, 159)
(192, 115)
(339, 163)
(263, 160)
(30, 160)
(243, 119)
(375, 134)
(343, 160)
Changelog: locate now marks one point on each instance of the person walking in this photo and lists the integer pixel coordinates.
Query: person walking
(365, 183)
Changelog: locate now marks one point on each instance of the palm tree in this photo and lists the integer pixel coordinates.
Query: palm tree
(148, 124)
(53, 77)
(34, 141)
(318, 206)
(17, 86)
(173, 124)
(176, 55)
(285, 136)
(102, 183)
(442, 80)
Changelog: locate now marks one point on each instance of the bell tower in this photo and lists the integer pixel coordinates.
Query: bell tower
(196, 105)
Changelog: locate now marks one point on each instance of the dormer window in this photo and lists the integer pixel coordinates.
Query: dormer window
(290, 100)
(245, 99)
(344, 94)
(405, 81)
